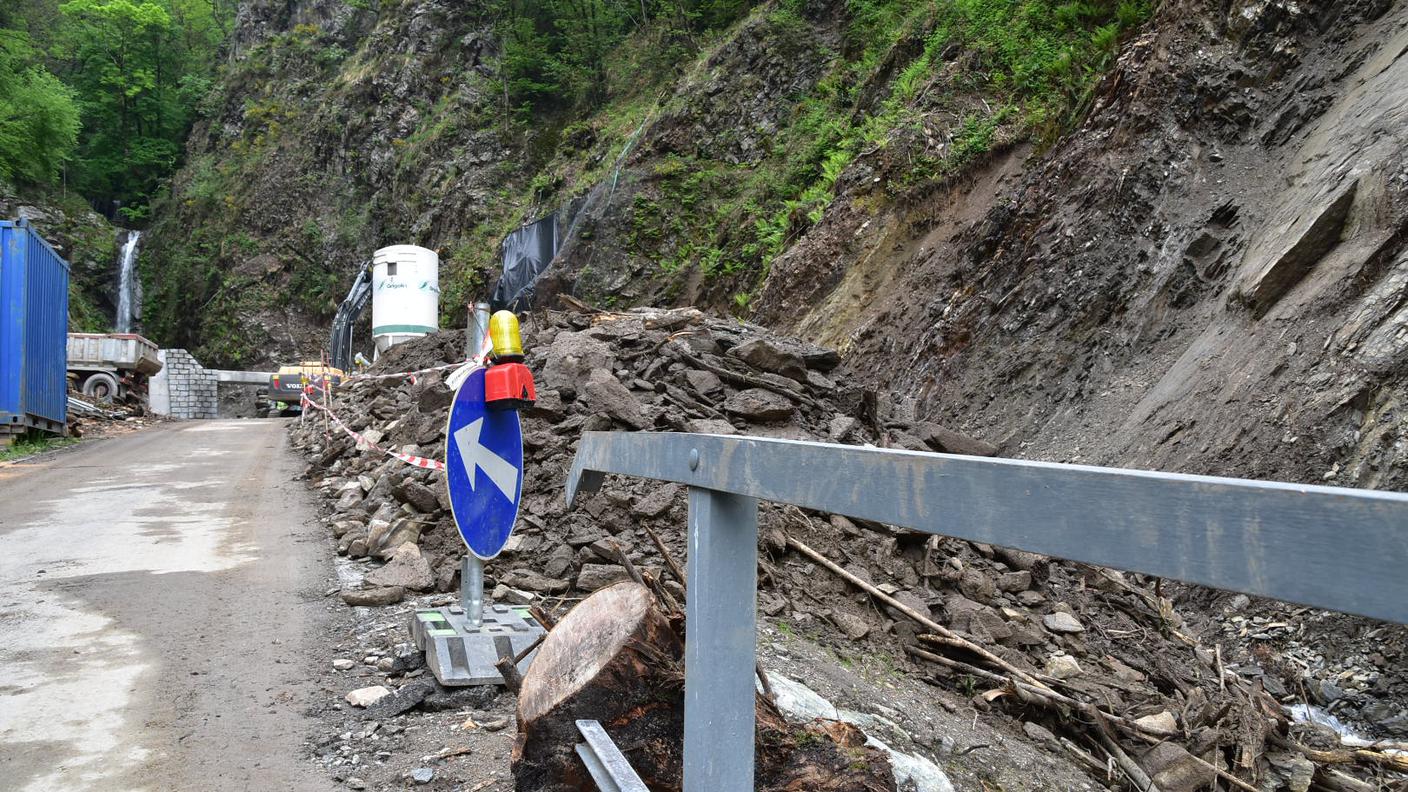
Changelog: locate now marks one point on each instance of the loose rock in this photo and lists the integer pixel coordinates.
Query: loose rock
(407, 569)
(364, 697)
(373, 597)
(759, 405)
(1060, 622)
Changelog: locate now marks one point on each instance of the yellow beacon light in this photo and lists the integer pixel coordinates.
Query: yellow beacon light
(503, 334)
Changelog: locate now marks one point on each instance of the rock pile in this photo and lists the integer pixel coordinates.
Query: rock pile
(1098, 665)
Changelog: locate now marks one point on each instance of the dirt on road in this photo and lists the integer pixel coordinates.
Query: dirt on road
(160, 610)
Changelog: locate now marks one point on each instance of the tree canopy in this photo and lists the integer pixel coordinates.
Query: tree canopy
(130, 71)
(556, 51)
(38, 114)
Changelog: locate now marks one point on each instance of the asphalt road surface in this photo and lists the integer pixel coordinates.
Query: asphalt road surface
(159, 599)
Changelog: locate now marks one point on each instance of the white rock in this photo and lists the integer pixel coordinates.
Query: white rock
(343, 664)
(912, 771)
(797, 702)
(365, 697)
(1062, 666)
(1059, 622)
(1162, 723)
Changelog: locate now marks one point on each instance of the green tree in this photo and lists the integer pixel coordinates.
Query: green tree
(38, 115)
(121, 64)
(556, 52)
(136, 69)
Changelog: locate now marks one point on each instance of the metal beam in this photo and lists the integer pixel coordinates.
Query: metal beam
(605, 762)
(1328, 547)
(721, 632)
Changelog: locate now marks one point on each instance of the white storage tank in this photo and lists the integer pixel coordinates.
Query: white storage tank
(405, 294)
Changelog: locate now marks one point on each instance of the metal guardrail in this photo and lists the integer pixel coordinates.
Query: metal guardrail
(1329, 547)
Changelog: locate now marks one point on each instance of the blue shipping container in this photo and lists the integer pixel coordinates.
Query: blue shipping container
(33, 332)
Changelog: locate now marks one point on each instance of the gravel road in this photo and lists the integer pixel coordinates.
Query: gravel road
(159, 608)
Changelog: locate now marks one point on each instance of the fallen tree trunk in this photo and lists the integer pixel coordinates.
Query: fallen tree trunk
(612, 659)
(615, 659)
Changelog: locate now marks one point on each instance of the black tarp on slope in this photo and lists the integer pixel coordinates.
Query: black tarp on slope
(526, 254)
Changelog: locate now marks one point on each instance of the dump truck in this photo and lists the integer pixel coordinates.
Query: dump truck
(111, 367)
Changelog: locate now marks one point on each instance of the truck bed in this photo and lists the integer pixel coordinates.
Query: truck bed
(123, 351)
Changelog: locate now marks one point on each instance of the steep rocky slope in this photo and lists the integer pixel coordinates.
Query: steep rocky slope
(1205, 276)
(339, 127)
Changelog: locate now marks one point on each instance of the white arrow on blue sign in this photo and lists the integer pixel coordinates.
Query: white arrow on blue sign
(484, 468)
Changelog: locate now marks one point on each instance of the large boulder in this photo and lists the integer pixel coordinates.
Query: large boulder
(947, 441)
(419, 496)
(372, 597)
(766, 355)
(758, 405)
(605, 394)
(570, 358)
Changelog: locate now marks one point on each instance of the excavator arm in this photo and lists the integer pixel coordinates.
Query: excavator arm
(340, 344)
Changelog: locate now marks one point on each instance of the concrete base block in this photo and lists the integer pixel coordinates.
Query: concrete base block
(458, 654)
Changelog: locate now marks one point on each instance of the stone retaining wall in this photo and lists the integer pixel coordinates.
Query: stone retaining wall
(184, 388)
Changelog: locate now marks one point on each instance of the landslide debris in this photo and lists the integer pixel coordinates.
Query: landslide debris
(1094, 665)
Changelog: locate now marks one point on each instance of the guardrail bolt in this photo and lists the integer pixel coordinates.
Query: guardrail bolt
(693, 459)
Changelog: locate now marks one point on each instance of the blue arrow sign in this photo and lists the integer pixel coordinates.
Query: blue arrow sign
(484, 468)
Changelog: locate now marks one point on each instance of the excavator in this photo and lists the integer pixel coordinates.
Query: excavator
(286, 385)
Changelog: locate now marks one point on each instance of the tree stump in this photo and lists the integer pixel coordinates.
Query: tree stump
(612, 659)
(616, 659)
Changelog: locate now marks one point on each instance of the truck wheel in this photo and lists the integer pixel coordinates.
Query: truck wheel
(101, 387)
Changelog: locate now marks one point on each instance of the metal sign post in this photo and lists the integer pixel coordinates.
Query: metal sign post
(484, 476)
(472, 567)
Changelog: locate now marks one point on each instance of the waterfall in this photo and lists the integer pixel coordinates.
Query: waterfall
(129, 293)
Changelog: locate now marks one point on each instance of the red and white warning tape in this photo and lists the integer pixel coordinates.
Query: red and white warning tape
(462, 370)
(409, 459)
(408, 374)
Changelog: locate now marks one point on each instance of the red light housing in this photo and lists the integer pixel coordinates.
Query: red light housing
(509, 386)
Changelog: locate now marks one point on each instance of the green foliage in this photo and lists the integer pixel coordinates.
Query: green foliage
(139, 68)
(83, 315)
(556, 53)
(131, 71)
(1035, 61)
(32, 443)
(38, 115)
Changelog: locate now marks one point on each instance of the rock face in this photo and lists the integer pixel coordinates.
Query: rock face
(1267, 204)
(1305, 239)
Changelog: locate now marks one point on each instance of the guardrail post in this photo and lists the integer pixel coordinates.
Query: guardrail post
(720, 641)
